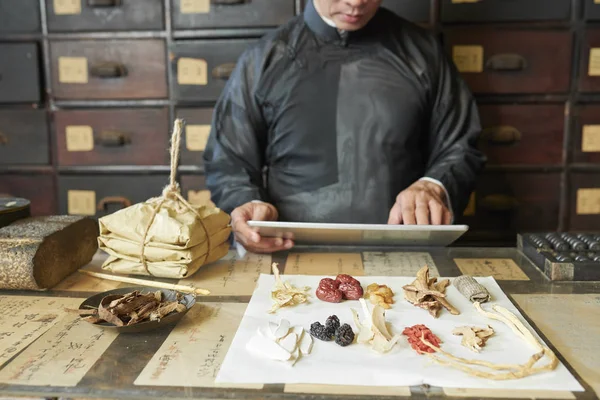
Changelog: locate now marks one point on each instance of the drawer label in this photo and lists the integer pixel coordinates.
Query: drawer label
(590, 138)
(67, 7)
(195, 6)
(468, 58)
(72, 70)
(196, 137)
(594, 65)
(200, 198)
(470, 210)
(192, 71)
(79, 138)
(502, 269)
(588, 201)
(81, 202)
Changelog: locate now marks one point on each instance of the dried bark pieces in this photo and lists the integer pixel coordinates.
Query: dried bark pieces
(284, 294)
(380, 295)
(428, 293)
(473, 337)
(471, 289)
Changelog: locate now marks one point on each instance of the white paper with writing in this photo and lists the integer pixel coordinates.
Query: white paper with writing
(397, 263)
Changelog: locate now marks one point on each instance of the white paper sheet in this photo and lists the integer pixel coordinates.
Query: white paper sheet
(357, 364)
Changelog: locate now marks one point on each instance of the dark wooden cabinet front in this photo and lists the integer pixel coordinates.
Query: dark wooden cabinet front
(586, 135)
(109, 69)
(589, 73)
(38, 189)
(584, 201)
(591, 10)
(112, 137)
(522, 134)
(24, 137)
(193, 188)
(507, 61)
(106, 15)
(19, 73)
(504, 10)
(197, 129)
(19, 16)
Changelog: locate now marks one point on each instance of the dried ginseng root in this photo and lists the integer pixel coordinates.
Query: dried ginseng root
(284, 294)
(429, 294)
(500, 372)
(473, 337)
(380, 295)
(415, 333)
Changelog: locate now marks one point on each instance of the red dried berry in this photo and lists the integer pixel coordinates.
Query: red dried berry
(415, 333)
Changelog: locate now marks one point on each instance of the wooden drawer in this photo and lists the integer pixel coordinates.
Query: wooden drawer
(99, 195)
(197, 129)
(592, 10)
(584, 201)
(19, 16)
(511, 202)
(19, 73)
(112, 137)
(193, 188)
(586, 142)
(512, 61)
(522, 134)
(589, 74)
(108, 69)
(104, 15)
(505, 10)
(194, 14)
(412, 10)
(201, 68)
(38, 189)
(24, 137)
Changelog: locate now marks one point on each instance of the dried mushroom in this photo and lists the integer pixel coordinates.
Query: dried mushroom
(429, 294)
(473, 337)
(284, 294)
(380, 295)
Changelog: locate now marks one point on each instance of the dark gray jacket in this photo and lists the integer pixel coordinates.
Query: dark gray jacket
(330, 127)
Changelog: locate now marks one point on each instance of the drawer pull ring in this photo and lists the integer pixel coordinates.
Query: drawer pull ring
(113, 200)
(3, 139)
(501, 135)
(103, 3)
(223, 71)
(506, 62)
(499, 203)
(228, 2)
(113, 139)
(108, 70)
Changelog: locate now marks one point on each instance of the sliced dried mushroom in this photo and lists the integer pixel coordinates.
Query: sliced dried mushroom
(427, 293)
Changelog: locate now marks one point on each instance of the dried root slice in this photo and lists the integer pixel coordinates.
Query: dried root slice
(284, 294)
(473, 337)
(504, 371)
(280, 342)
(373, 329)
(429, 294)
(380, 295)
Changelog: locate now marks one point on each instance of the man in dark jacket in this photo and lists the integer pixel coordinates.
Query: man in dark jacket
(348, 114)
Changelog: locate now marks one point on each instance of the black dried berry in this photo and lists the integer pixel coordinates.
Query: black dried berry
(332, 323)
(320, 332)
(344, 335)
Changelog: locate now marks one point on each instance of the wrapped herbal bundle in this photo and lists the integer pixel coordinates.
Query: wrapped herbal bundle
(165, 236)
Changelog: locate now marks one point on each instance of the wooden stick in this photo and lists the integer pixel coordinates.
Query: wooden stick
(136, 281)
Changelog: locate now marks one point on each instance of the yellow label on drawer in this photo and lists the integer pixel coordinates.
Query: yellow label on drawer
(79, 138)
(590, 138)
(72, 70)
(67, 7)
(588, 201)
(468, 58)
(192, 71)
(196, 137)
(470, 210)
(200, 198)
(81, 202)
(195, 6)
(594, 63)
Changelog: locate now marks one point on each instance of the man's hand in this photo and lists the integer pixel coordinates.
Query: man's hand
(249, 238)
(422, 203)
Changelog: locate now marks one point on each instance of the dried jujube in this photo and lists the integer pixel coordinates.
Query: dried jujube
(343, 287)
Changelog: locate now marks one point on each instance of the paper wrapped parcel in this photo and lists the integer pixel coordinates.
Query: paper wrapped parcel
(163, 237)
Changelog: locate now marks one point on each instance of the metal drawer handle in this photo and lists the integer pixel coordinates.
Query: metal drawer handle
(223, 71)
(113, 139)
(103, 3)
(3, 139)
(506, 62)
(228, 2)
(113, 200)
(499, 203)
(108, 70)
(501, 135)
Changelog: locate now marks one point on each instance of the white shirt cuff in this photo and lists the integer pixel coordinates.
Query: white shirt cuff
(448, 201)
